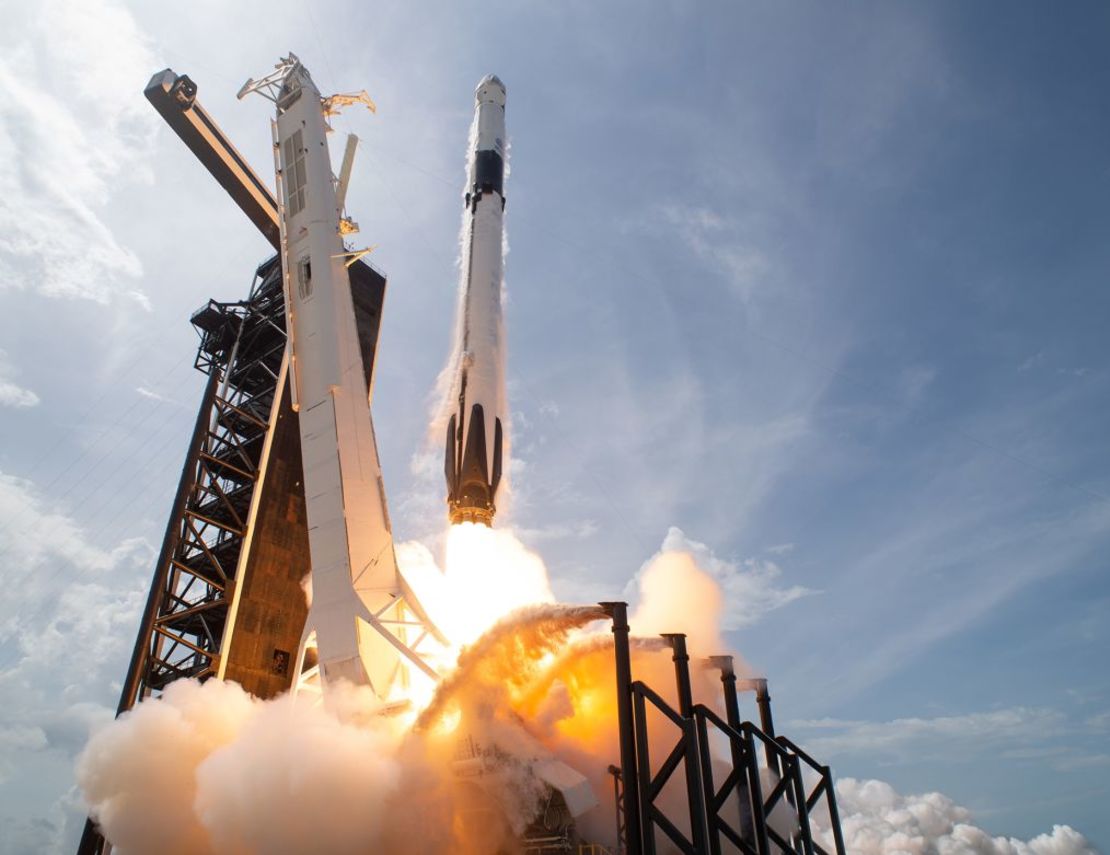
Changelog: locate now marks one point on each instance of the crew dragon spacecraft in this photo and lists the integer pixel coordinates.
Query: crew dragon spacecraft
(477, 438)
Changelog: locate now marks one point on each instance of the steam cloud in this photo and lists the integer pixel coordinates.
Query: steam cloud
(209, 769)
(238, 775)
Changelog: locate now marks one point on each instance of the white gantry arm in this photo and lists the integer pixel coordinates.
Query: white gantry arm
(364, 625)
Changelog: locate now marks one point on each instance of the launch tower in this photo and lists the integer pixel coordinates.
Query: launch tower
(226, 599)
(268, 471)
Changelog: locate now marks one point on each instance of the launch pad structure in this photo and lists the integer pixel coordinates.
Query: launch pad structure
(226, 598)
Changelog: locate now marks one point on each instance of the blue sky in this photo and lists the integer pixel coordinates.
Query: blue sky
(823, 287)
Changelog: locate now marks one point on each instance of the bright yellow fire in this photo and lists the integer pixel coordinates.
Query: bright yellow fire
(487, 574)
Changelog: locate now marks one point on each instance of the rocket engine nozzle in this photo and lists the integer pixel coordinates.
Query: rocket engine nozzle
(473, 474)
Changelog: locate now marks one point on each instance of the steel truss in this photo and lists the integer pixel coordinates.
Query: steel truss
(726, 812)
(241, 349)
(245, 434)
(182, 631)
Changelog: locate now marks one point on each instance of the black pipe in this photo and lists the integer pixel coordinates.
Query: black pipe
(633, 832)
(736, 750)
(92, 842)
(766, 722)
(767, 725)
(677, 642)
(763, 701)
(695, 790)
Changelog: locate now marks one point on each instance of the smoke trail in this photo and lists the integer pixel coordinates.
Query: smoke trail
(446, 393)
(546, 699)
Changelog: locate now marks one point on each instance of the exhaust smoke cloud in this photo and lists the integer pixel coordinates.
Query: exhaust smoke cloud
(530, 686)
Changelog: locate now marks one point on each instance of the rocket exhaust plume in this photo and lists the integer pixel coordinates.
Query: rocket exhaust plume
(527, 634)
(476, 449)
(534, 692)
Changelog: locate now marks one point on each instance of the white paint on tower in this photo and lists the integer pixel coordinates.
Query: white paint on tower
(364, 624)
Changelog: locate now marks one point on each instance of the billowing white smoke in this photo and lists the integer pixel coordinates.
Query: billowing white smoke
(208, 768)
(232, 774)
(676, 595)
(877, 820)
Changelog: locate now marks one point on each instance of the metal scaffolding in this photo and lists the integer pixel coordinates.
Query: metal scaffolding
(241, 349)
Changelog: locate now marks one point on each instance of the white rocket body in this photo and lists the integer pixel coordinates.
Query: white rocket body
(477, 433)
(360, 610)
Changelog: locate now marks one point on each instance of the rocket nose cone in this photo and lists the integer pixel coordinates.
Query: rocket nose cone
(491, 89)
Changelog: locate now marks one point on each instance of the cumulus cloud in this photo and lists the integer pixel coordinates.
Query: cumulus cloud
(877, 820)
(749, 589)
(36, 532)
(12, 395)
(71, 130)
(67, 621)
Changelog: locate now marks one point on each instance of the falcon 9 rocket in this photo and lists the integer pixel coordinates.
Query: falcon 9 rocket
(477, 432)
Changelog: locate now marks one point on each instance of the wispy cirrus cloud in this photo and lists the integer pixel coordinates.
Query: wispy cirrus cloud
(911, 737)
